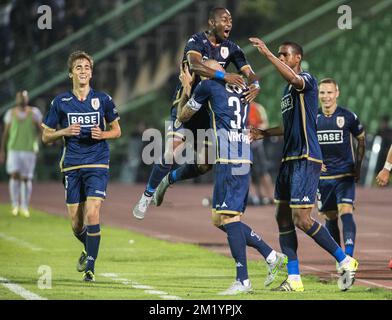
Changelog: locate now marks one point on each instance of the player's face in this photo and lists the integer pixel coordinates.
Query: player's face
(81, 72)
(222, 24)
(328, 94)
(22, 99)
(287, 55)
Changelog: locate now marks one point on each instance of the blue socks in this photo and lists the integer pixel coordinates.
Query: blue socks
(237, 243)
(323, 238)
(93, 239)
(159, 171)
(349, 232)
(254, 240)
(289, 245)
(81, 236)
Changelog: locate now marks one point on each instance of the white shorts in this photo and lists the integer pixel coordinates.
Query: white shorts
(22, 162)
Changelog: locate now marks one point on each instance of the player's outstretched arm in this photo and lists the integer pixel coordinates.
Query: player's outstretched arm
(257, 134)
(50, 135)
(383, 176)
(197, 66)
(254, 87)
(287, 73)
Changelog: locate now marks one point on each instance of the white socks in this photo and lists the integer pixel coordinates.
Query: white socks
(14, 190)
(26, 188)
(271, 257)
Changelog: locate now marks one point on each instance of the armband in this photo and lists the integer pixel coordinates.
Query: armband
(219, 75)
(388, 165)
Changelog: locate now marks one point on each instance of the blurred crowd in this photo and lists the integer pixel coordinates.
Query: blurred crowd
(19, 32)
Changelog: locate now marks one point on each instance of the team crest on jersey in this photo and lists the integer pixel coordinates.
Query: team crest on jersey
(224, 52)
(95, 103)
(340, 122)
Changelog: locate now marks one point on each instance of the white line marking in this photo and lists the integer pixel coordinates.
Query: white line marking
(356, 279)
(19, 290)
(19, 242)
(135, 285)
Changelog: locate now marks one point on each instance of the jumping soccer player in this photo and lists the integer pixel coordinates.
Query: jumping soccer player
(341, 167)
(229, 112)
(82, 114)
(211, 44)
(20, 139)
(296, 184)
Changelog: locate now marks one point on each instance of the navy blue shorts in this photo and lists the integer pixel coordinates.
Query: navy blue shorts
(85, 183)
(332, 192)
(231, 188)
(297, 183)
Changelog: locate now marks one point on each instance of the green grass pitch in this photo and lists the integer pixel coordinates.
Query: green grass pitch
(136, 267)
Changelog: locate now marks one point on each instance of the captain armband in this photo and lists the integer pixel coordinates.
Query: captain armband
(388, 165)
(193, 104)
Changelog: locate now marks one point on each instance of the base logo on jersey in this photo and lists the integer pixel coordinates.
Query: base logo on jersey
(86, 120)
(224, 52)
(95, 103)
(340, 122)
(330, 136)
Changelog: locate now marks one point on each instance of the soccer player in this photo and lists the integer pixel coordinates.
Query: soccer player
(229, 111)
(82, 115)
(341, 167)
(383, 176)
(22, 125)
(299, 172)
(211, 44)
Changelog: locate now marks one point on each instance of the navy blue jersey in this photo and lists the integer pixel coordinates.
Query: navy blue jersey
(225, 53)
(229, 113)
(81, 150)
(299, 113)
(335, 135)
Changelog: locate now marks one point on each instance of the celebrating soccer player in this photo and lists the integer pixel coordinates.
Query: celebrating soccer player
(299, 172)
(81, 115)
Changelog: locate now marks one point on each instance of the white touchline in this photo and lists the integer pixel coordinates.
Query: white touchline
(19, 242)
(136, 285)
(357, 280)
(20, 291)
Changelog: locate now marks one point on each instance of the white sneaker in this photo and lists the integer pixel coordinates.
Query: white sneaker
(15, 211)
(348, 269)
(25, 213)
(275, 267)
(139, 211)
(237, 288)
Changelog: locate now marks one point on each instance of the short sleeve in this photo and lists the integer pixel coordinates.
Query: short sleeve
(238, 58)
(111, 112)
(52, 118)
(355, 126)
(7, 116)
(310, 83)
(193, 45)
(37, 115)
(200, 95)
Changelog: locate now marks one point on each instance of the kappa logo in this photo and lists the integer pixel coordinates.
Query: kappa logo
(305, 199)
(349, 242)
(224, 205)
(238, 264)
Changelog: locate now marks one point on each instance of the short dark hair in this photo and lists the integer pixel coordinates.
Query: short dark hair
(79, 55)
(295, 46)
(329, 80)
(214, 11)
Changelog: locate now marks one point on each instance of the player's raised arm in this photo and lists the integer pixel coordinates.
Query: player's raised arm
(197, 66)
(254, 87)
(289, 74)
